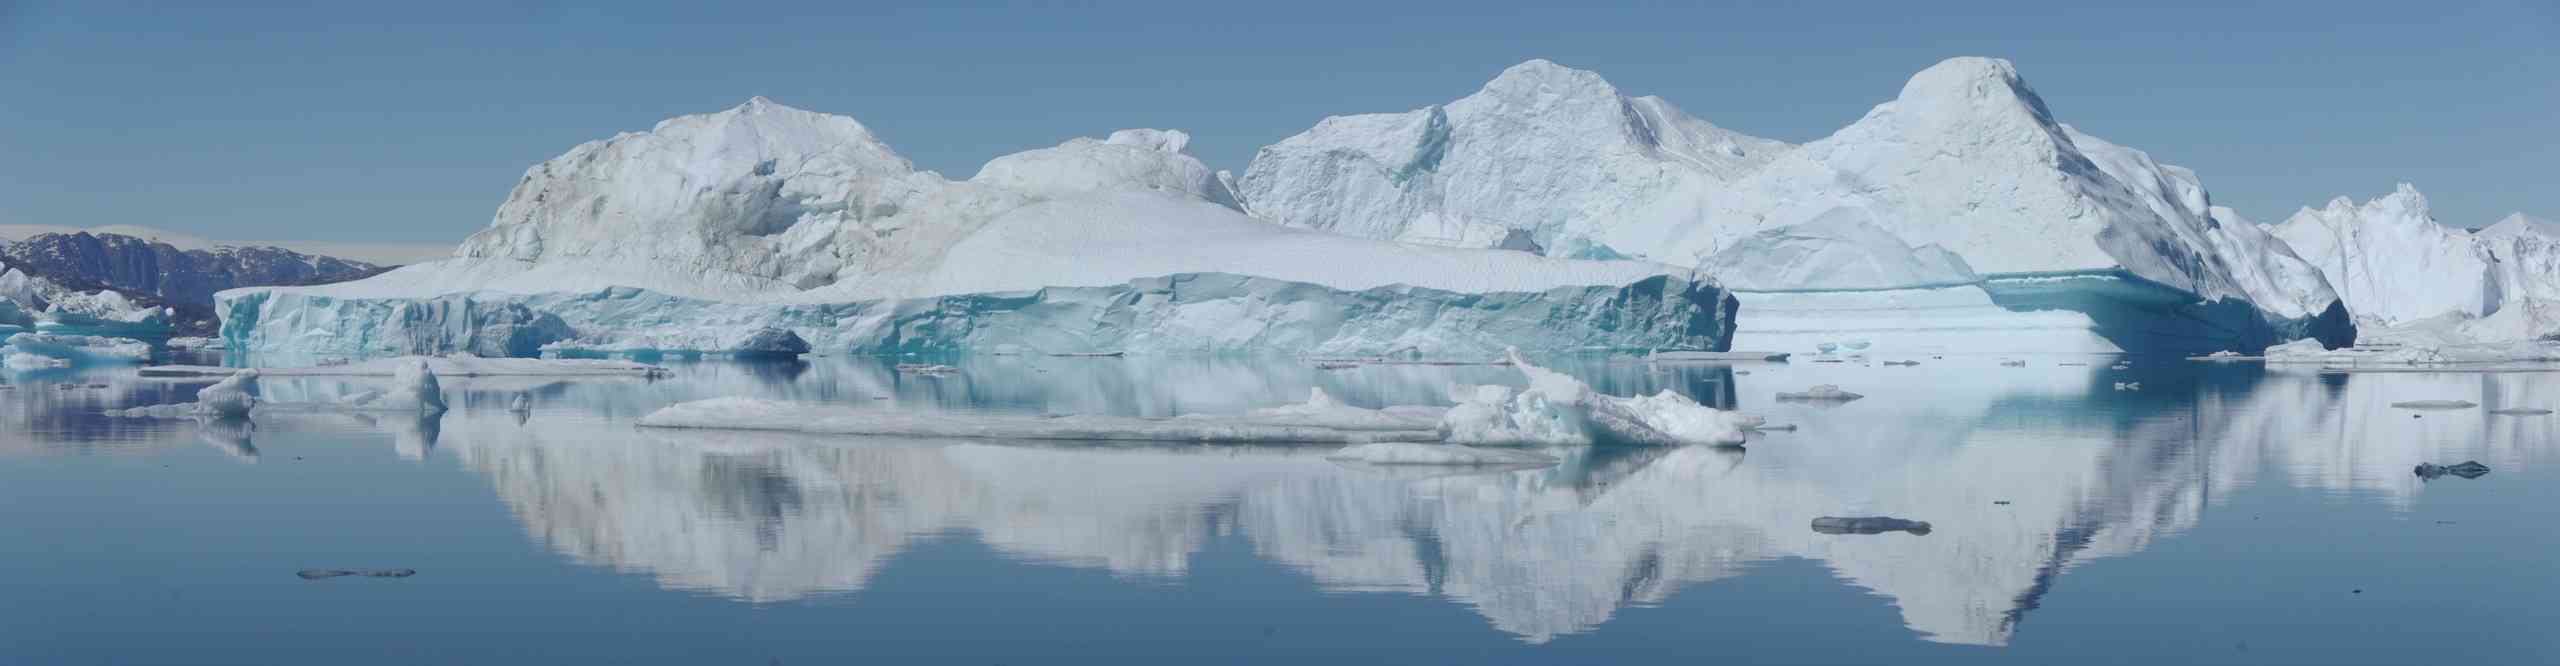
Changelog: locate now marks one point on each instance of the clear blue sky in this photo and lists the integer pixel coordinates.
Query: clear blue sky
(332, 121)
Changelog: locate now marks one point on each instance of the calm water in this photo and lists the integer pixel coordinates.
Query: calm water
(2223, 514)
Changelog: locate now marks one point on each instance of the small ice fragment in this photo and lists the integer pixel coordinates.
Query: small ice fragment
(1820, 392)
(2435, 404)
(1868, 525)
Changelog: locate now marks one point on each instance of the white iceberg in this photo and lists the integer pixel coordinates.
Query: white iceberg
(2392, 263)
(765, 217)
(1558, 410)
(2080, 242)
(81, 348)
(226, 399)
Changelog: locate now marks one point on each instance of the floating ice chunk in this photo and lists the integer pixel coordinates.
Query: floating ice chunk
(229, 397)
(2128, 386)
(1820, 392)
(194, 343)
(2521, 411)
(1868, 525)
(226, 399)
(415, 385)
(1558, 410)
(82, 348)
(521, 403)
(25, 362)
(1412, 453)
(2435, 404)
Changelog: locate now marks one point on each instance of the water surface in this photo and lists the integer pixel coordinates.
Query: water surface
(2221, 514)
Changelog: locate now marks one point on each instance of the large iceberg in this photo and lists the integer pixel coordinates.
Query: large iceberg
(2441, 292)
(764, 217)
(2084, 243)
(2391, 262)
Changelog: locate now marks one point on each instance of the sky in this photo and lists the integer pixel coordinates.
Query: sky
(408, 122)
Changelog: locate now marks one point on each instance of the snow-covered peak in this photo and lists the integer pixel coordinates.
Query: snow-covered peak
(737, 195)
(1969, 157)
(1546, 154)
(1538, 86)
(2518, 224)
(1141, 159)
(1165, 141)
(1969, 87)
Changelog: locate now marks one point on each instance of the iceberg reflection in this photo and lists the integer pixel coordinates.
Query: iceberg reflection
(2021, 474)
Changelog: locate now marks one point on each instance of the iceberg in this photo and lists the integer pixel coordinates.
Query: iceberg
(80, 348)
(1558, 410)
(25, 362)
(2065, 242)
(2392, 263)
(706, 231)
(225, 399)
(2426, 292)
(28, 301)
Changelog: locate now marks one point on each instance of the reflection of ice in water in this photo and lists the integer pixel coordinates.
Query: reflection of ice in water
(1539, 553)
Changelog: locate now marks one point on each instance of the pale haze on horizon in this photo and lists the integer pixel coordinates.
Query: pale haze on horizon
(408, 125)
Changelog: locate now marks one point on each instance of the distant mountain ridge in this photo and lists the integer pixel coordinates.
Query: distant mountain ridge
(157, 273)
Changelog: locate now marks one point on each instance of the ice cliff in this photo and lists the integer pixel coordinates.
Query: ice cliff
(764, 217)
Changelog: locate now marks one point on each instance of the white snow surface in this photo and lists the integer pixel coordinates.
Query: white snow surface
(2392, 263)
(1967, 158)
(1552, 151)
(1842, 249)
(757, 209)
(773, 204)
